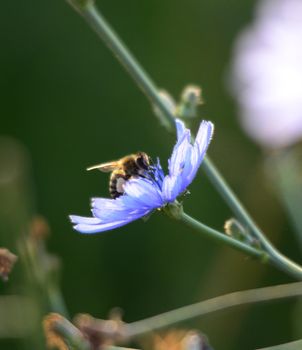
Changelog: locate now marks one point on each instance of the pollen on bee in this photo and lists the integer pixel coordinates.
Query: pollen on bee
(120, 184)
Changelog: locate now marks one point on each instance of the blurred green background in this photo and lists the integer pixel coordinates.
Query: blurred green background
(68, 101)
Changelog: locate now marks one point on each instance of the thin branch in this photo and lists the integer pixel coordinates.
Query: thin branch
(118, 331)
(223, 302)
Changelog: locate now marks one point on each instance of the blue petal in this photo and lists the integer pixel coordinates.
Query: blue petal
(111, 206)
(86, 228)
(202, 141)
(179, 154)
(158, 173)
(120, 214)
(75, 219)
(95, 224)
(83, 228)
(185, 160)
(179, 164)
(204, 136)
(121, 208)
(177, 182)
(145, 193)
(171, 187)
(180, 128)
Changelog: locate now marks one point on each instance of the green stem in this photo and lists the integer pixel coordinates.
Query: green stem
(220, 237)
(55, 299)
(219, 303)
(88, 10)
(124, 56)
(128, 331)
(273, 256)
(277, 259)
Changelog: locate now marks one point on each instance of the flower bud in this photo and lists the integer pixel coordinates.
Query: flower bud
(190, 100)
(234, 228)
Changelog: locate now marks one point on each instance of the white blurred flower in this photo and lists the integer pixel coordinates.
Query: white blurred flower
(267, 74)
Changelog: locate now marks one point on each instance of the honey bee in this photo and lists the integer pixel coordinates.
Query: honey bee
(131, 166)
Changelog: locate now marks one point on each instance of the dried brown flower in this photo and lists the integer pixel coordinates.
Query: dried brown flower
(180, 339)
(53, 338)
(7, 261)
(100, 333)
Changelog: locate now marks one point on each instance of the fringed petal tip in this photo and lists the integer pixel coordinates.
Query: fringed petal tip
(205, 133)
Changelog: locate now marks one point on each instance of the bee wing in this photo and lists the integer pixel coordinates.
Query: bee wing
(104, 167)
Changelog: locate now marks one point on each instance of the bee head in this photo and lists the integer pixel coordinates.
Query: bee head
(143, 160)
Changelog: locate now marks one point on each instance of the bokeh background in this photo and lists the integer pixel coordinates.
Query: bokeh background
(67, 100)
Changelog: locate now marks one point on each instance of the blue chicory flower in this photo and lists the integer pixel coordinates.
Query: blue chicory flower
(144, 194)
